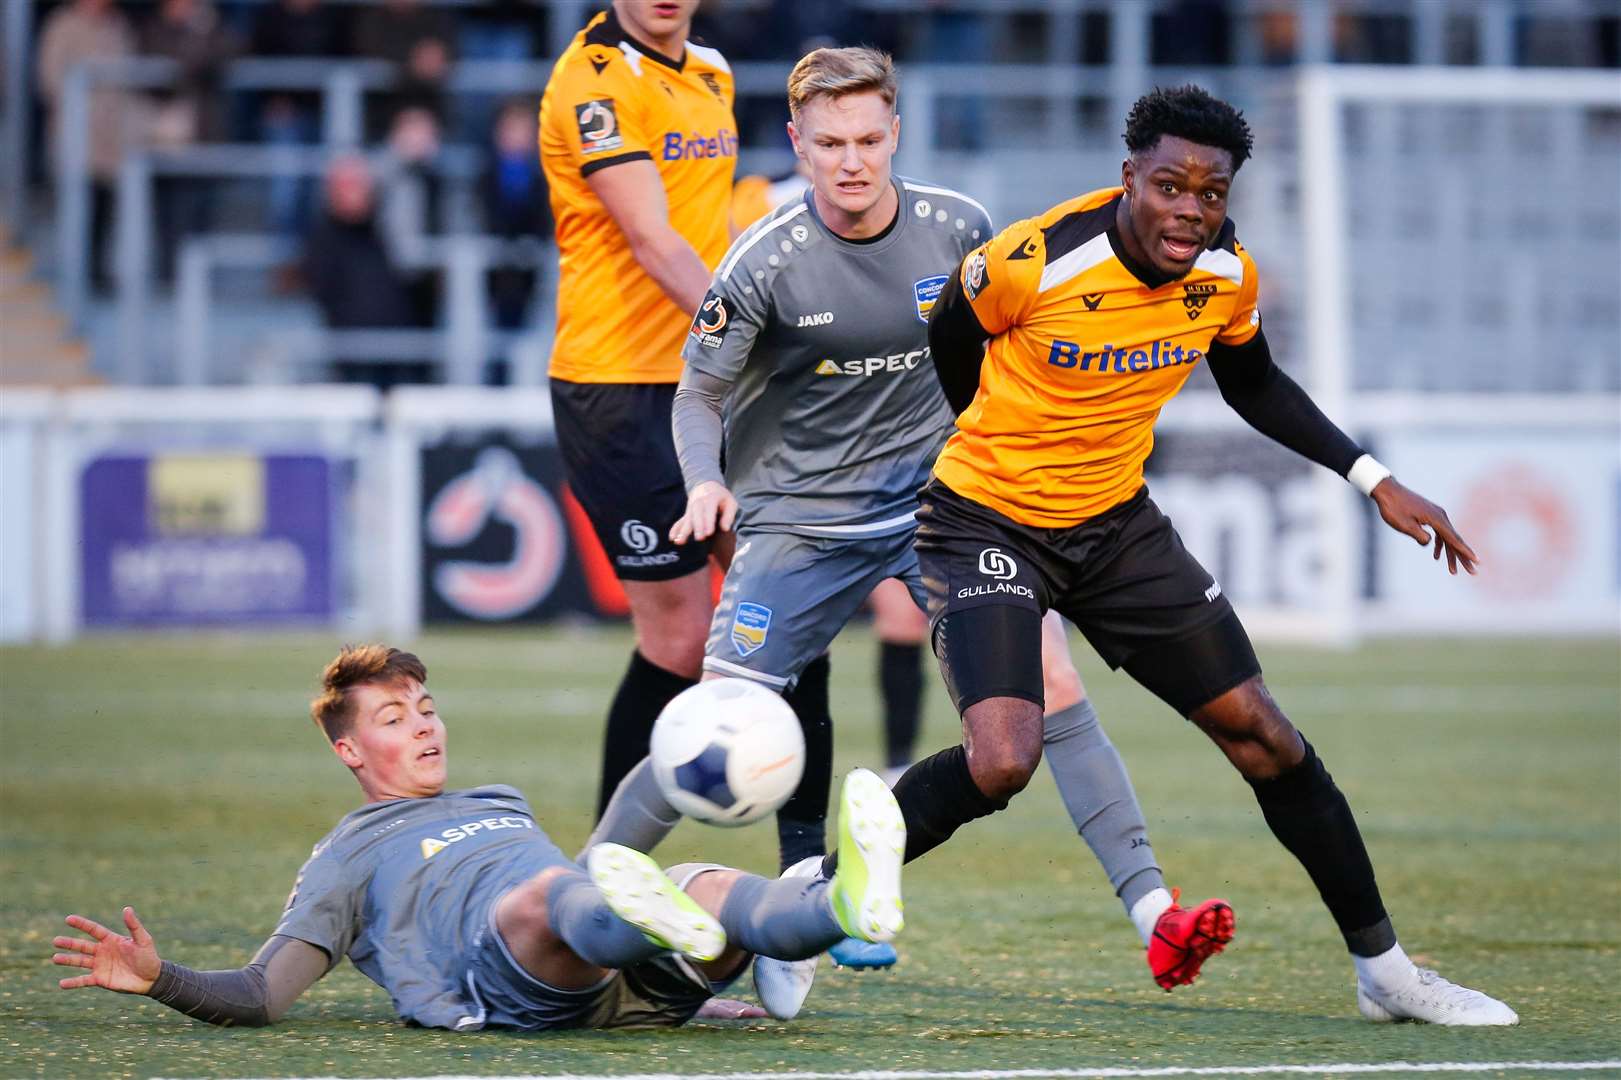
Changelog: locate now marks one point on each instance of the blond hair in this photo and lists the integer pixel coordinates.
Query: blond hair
(837, 72)
(358, 665)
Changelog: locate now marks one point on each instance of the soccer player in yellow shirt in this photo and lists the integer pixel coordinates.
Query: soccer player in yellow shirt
(639, 143)
(1095, 313)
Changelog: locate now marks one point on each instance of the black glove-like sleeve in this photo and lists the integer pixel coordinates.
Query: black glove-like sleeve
(1276, 406)
(957, 345)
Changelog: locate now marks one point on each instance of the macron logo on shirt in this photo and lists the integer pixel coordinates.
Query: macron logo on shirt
(432, 846)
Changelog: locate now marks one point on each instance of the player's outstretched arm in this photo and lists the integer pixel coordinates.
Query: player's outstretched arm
(251, 996)
(1408, 512)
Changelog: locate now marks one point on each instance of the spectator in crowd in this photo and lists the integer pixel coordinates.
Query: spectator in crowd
(515, 204)
(76, 32)
(192, 111)
(293, 29)
(355, 280)
(419, 41)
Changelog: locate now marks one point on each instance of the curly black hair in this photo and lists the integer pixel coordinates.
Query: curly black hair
(1188, 112)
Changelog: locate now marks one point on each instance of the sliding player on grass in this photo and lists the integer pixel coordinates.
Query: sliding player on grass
(1096, 313)
(459, 905)
(812, 344)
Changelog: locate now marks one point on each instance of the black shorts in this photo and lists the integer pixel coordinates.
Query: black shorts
(619, 458)
(1122, 577)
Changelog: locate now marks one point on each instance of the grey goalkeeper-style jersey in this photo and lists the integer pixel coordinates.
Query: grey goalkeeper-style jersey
(404, 887)
(835, 414)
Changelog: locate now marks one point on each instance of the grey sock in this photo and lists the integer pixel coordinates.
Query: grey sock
(783, 918)
(585, 923)
(638, 816)
(1096, 791)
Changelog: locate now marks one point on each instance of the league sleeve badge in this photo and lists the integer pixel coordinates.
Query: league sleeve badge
(974, 274)
(710, 325)
(599, 127)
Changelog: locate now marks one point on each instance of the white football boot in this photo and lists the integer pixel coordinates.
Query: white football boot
(783, 985)
(1434, 1000)
(641, 894)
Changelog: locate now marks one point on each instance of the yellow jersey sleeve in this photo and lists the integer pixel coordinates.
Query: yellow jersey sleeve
(1002, 277)
(602, 110)
(1246, 320)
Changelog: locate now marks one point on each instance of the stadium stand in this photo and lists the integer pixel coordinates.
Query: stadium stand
(1008, 99)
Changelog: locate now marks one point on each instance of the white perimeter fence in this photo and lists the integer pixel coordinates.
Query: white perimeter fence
(337, 507)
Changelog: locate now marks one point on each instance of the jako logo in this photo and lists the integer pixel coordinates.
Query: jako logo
(821, 318)
(1068, 354)
(994, 563)
(694, 146)
(638, 537)
(496, 487)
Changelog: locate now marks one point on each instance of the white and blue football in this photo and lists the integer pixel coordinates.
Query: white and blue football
(728, 751)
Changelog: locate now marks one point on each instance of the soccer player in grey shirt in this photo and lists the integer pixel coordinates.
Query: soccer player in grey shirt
(459, 905)
(809, 358)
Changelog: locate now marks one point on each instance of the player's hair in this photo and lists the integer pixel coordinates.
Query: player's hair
(1188, 112)
(357, 665)
(837, 72)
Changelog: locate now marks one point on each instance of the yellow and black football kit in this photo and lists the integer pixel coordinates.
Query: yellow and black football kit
(617, 356)
(1038, 500)
(1082, 357)
(610, 101)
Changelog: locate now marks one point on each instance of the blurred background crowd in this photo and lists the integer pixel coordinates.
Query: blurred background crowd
(367, 168)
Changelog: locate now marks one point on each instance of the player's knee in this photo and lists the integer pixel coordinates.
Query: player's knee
(710, 888)
(1004, 745)
(1252, 730)
(525, 910)
(1002, 772)
(671, 625)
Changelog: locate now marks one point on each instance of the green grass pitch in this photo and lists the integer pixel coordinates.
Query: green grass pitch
(182, 775)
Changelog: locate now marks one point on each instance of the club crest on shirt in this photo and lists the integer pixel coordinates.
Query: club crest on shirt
(710, 325)
(927, 291)
(750, 626)
(974, 275)
(599, 127)
(1195, 297)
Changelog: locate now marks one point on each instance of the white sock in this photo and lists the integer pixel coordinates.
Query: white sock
(1146, 911)
(1390, 970)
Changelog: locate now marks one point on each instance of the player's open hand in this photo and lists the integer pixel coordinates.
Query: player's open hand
(1411, 513)
(708, 505)
(129, 965)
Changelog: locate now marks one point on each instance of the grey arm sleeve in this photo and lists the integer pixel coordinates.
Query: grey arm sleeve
(699, 428)
(251, 996)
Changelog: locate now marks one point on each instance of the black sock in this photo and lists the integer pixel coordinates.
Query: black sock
(643, 692)
(937, 796)
(802, 821)
(900, 675)
(1311, 818)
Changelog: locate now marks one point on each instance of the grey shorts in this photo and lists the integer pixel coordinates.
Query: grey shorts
(786, 597)
(662, 992)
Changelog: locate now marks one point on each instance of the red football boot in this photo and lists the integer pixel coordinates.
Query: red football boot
(1184, 939)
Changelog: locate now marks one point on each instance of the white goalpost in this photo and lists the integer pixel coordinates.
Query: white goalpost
(1457, 307)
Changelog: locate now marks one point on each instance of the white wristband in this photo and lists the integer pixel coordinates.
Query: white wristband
(1366, 473)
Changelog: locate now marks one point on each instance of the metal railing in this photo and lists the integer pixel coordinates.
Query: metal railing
(461, 347)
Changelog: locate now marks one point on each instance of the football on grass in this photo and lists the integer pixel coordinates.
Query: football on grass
(728, 751)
